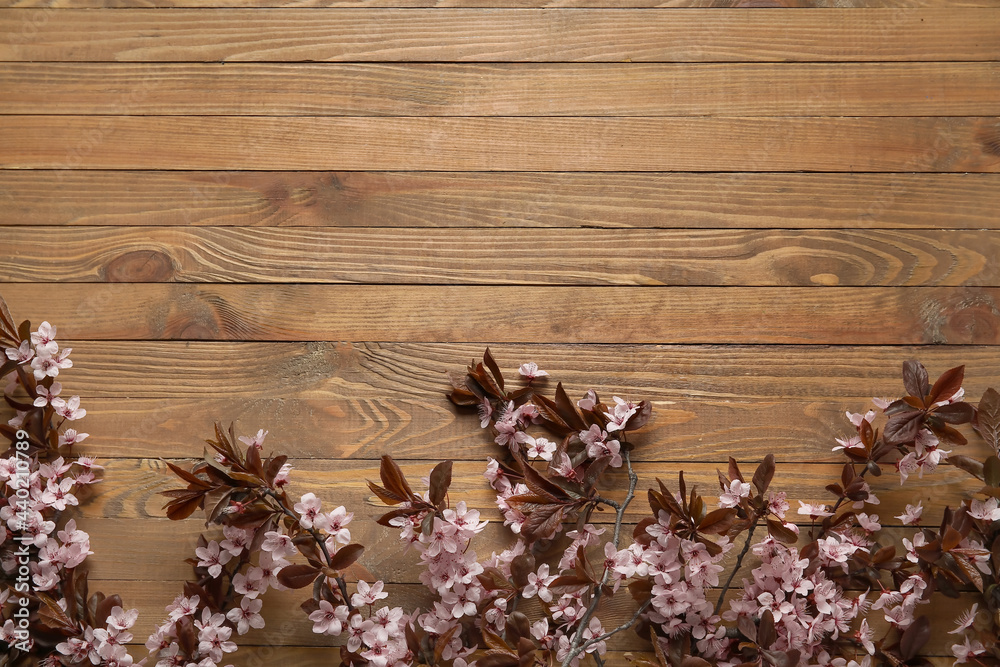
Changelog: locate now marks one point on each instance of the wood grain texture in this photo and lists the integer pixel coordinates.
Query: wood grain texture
(287, 625)
(431, 89)
(471, 256)
(547, 4)
(131, 487)
(347, 34)
(421, 199)
(326, 372)
(424, 427)
(166, 545)
(502, 144)
(458, 313)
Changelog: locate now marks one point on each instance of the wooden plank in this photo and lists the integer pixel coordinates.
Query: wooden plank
(132, 486)
(198, 370)
(416, 199)
(287, 625)
(502, 144)
(429, 89)
(425, 426)
(470, 256)
(553, 4)
(165, 546)
(347, 34)
(718, 315)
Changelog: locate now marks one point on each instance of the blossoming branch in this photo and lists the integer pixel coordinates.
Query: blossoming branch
(47, 612)
(836, 590)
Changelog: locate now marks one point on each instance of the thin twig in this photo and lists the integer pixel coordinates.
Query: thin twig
(736, 568)
(633, 480)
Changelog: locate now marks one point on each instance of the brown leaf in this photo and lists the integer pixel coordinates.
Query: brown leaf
(718, 522)
(494, 368)
(902, 428)
(567, 410)
(955, 413)
(987, 420)
(52, 615)
(393, 478)
(946, 385)
(346, 556)
(764, 474)
(183, 507)
(970, 571)
(520, 568)
(968, 464)
(297, 576)
(440, 480)
(914, 638)
(766, 634)
(915, 378)
(780, 533)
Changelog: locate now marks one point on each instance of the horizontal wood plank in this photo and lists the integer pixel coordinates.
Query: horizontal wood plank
(132, 486)
(509, 314)
(325, 372)
(427, 427)
(502, 144)
(287, 626)
(547, 4)
(470, 256)
(348, 34)
(415, 199)
(427, 89)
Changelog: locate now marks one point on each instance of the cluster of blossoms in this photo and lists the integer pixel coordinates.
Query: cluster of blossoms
(45, 613)
(263, 530)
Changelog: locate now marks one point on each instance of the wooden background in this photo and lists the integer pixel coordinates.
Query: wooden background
(299, 215)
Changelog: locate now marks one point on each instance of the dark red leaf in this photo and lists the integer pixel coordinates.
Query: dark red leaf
(914, 638)
(946, 385)
(955, 413)
(297, 576)
(440, 480)
(915, 378)
(346, 556)
(764, 474)
(494, 368)
(987, 420)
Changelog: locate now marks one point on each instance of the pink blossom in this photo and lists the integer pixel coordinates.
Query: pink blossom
(212, 558)
(985, 511)
(911, 516)
(236, 540)
(69, 410)
(45, 396)
(965, 620)
(540, 448)
(588, 402)
(20, 354)
(967, 650)
(328, 620)
(485, 412)
(257, 441)
(309, 508)
(278, 545)
(247, 615)
(335, 524)
(70, 437)
(731, 496)
(620, 414)
(368, 594)
(531, 371)
(57, 494)
(281, 479)
(44, 339)
(813, 511)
